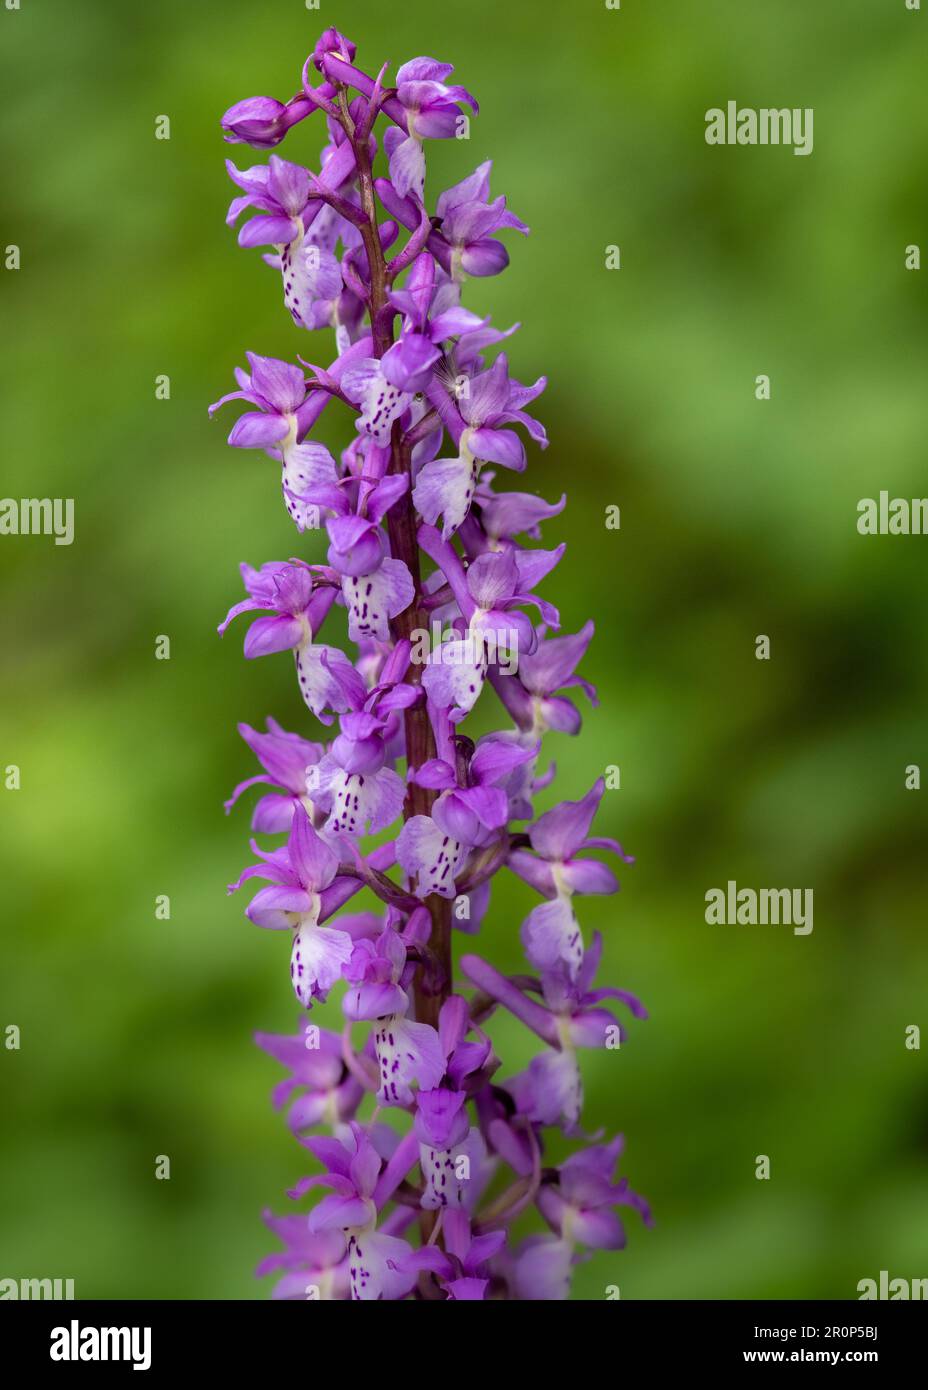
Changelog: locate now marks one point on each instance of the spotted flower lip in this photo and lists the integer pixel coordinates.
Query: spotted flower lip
(430, 856)
(472, 813)
(278, 390)
(319, 1085)
(380, 403)
(380, 1265)
(427, 1147)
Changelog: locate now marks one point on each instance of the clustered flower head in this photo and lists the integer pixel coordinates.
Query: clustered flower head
(426, 1149)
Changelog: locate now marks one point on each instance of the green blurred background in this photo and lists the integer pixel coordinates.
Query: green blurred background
(738, 518)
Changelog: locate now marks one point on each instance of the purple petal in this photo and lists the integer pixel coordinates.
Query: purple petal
(535, 871)
(423, 70)
(489, 394)
(338, 1213)
(289, 184)
(534, 565)
(560, 832)
(589, 876)
(475, 188)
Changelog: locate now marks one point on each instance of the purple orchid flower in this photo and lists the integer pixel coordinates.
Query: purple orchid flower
(506, 515)
(486, 405)
(450, 1148)
(281, 191)
(551, 933)
(488, 595)
(298, 874)
(433, 111)
(451, 1151)
(315, 1264)
(357, 788)
(283, 415)
(407, 1052)
(326, 677)
(328, 1092)
(531, 697)
(302, 217)
(468, 221)
(469, 1256)
(473, 814)
(379, 1265)
(550, 1092)
(432, 315)
(288, 761)
(579, 1202)
(360, 792)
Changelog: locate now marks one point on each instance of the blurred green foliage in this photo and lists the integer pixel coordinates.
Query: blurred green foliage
(738, 518)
